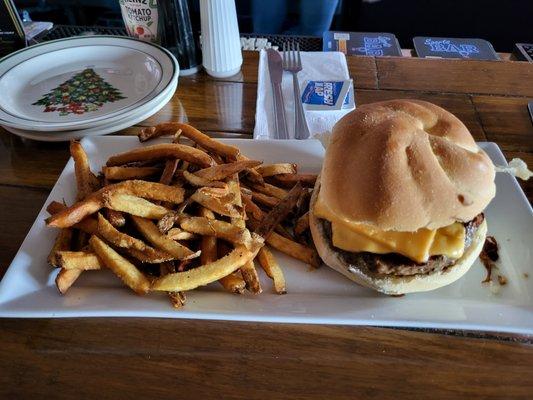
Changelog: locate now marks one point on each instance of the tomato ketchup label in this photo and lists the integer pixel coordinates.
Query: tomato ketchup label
(140, 18)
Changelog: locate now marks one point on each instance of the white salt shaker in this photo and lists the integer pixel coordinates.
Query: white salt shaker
(221, 44)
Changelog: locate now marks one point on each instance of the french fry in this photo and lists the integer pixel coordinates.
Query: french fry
(302, 205)
(87, 225)
(62, 242)
(168, 172)
(272, 269)
(179, 234)
(251, 208)
(222, 171)
(81, 241)
(218, 159)
(144, 163)
(265, 199)
(250, 276)
(177, 299)
(149, 230)
(168, 220)
(302, 224)
(197, 181)
(54, 207)
(294, 249)
(116, 218)
(209, 246)
(125, 173)
(219, 192)
(248, 271)
(208, 143)
(233, 283)
(134, 205)
(205, 274)
(252, 174)
(219, 229)
(77, 212)
(117, 238)
(150, 190)
(289, 180)
(234, 187)
(94, 202)
(81, 260)
(86, 181)
(279, 212)
(168, 128)
(162, 151)
(170, 165)
(283, 231)
(125, 270)
(65, 278)
(257, 214)
(221, 206)
(276, 169)
(270, 190)
(150, 255)
(152, 132)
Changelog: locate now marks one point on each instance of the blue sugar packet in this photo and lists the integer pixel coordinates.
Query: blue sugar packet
(328, 95)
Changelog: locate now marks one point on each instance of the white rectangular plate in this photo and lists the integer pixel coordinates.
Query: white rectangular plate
(314, 296)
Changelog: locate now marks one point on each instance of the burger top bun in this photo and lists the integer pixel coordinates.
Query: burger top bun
(403, 165)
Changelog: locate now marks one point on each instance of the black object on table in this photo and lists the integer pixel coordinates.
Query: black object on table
(12, 35)
(177, 35)
(523, 52)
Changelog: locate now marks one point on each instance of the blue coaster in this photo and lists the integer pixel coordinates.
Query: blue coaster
(362, 43)
(438, 47)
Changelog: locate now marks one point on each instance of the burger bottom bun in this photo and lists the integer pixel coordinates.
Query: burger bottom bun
(392, 284)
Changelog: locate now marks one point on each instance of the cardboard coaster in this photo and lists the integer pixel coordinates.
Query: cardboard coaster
(362, 43)
(523, 52)
(439, 47)
(12, 36)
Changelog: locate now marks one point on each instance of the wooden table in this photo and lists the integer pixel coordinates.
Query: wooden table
(157, 358)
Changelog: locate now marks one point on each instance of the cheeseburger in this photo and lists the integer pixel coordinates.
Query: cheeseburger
(398, 206)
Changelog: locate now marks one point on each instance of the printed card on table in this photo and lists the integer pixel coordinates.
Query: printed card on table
(362, 43)
(437, 47)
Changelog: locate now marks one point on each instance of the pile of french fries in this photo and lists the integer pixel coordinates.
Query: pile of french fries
(175, 216)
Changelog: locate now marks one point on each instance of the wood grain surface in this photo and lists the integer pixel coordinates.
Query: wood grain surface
(157, 358)
(127, 358)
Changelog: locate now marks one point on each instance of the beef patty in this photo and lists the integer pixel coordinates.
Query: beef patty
(397, 264)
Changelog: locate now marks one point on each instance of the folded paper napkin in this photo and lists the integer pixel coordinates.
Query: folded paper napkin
(315, 66)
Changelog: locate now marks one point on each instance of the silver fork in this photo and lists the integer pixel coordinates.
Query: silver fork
(293, 64)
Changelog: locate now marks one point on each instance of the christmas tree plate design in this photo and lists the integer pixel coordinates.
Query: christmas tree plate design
(141, 114)
(80, 83)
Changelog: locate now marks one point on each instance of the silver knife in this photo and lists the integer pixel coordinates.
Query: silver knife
(275, 68)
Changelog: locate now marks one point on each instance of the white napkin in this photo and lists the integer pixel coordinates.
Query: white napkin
(316, 66)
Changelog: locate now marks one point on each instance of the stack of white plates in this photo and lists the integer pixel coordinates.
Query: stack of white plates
(84, 86)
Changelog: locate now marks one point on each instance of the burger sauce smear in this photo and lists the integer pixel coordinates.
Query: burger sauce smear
(489, 255)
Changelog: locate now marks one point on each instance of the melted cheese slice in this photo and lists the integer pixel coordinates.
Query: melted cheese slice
(418, 246)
